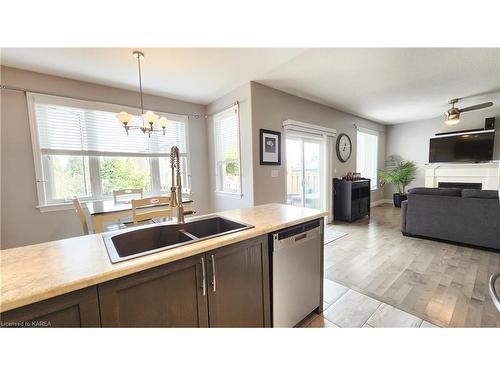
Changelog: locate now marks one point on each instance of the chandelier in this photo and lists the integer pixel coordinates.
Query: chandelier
(150, 120)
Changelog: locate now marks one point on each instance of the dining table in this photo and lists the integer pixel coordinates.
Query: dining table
(105, 211)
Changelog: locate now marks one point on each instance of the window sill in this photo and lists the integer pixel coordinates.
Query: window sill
(65, 206)
(55, 207)
(229, 194)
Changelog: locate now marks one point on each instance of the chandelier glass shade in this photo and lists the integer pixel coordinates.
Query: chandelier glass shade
(150, 120)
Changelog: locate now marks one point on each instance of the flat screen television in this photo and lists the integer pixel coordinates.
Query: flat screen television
(462, 148)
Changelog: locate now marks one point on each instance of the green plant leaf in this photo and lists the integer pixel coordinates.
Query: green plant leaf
(398, 172)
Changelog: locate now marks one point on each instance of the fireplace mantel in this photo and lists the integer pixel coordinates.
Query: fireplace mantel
(485, 173)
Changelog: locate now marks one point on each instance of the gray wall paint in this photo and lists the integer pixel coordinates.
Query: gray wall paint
(21, 222)
(270, 107)
(411, 140)
(224, 202)
(260, 107)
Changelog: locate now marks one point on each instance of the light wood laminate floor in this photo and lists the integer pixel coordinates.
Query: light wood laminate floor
(441, 283)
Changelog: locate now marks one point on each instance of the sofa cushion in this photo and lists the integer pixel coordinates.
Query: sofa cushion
(449, 192)
(477, 193)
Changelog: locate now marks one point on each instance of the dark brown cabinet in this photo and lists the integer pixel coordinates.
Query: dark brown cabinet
(351, 199)
(171, 295)
(226, 287)
(75, 309)
(238, 293)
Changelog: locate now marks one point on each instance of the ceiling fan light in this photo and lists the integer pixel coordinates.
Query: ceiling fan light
(452, 118)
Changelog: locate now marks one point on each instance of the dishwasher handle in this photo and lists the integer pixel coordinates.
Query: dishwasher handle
(300, 237)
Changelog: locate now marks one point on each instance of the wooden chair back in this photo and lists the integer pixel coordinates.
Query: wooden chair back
(128, 193)
(156, 209)
(81, 216)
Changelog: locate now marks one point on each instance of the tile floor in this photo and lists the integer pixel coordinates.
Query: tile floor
(346, 308)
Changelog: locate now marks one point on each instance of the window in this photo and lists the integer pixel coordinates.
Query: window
(227, 151)
(81, 150)
(367, 155)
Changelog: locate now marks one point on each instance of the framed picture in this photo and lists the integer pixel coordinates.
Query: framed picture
(270, 147)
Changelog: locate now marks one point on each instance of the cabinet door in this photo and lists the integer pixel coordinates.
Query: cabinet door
(355, 210)
(75, 309)
(363, 206)
(172, 295)
(239, 291)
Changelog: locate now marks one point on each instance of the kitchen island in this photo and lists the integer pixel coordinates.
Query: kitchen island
(64, 280)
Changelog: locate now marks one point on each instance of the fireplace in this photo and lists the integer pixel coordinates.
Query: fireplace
(461, 185)
(484, 176)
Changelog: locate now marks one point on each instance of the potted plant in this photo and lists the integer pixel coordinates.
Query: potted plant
(400, 173)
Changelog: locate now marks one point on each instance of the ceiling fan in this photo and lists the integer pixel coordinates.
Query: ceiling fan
(453, 114)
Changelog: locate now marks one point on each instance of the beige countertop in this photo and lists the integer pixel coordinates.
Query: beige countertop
(37, 272)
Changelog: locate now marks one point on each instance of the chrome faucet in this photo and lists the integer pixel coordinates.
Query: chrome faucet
(176, 188)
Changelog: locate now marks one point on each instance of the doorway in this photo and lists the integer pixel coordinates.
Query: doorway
(306, 169)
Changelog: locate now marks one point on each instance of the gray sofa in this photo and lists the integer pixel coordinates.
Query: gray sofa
(467, 216)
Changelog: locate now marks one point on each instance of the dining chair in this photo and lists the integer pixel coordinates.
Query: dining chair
(81, 215)
(127, 193)
(156, 209)
(83, 220)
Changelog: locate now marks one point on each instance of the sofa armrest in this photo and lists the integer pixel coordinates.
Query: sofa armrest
(404, 208)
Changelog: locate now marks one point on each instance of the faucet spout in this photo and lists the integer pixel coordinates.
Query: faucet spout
(176, 188)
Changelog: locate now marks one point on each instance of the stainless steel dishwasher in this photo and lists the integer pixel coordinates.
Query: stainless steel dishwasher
(296, 259)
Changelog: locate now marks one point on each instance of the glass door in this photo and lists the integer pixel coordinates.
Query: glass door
(294, 171)
(305, 170)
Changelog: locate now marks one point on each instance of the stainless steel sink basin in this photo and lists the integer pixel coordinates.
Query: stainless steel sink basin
(136, 242)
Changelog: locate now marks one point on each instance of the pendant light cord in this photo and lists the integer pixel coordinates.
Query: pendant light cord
(140, 81)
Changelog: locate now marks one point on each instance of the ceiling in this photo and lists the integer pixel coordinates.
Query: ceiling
(386, 85)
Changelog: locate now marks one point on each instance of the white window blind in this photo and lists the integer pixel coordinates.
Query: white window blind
(80, 149)
(227, 151)
(367, 154)
(88, 132)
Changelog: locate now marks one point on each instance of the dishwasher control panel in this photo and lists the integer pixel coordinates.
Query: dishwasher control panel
(296, 234)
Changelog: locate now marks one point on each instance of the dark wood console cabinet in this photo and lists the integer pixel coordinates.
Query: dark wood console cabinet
(351, 199)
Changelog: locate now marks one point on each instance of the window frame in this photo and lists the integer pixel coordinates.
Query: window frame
(376, 134)
(45, 203)
(231, 194)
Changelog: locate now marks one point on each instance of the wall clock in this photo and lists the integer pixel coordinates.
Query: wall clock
(344, 147)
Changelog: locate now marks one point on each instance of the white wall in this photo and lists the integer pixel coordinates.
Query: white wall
(220, 202)
(270, 107)
(21, 222)
(411, 140)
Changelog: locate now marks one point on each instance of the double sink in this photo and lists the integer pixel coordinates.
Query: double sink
(151, 239)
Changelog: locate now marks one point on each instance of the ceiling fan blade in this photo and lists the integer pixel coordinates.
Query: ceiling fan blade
(477, 106)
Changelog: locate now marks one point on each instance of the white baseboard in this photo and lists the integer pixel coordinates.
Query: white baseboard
(380, 202)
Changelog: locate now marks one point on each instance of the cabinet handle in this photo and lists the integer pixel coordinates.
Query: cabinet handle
(213, 273)
(204, 278)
